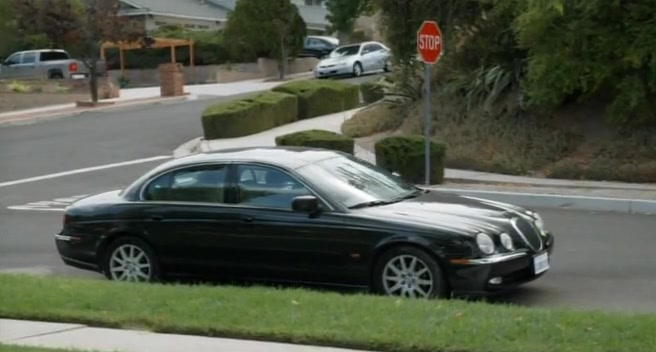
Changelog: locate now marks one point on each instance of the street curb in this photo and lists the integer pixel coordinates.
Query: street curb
(28, 119)
(618, 205)
(190, 147)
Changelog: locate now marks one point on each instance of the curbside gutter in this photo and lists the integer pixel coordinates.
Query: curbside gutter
(536, 200)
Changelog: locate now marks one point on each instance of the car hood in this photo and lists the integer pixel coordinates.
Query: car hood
(335, 60)
(450, 212)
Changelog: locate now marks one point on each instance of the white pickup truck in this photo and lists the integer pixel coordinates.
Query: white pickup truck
(45, 64)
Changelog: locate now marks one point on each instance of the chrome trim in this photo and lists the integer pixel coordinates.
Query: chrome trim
(63, 238)
(498, 258)
(523, 236)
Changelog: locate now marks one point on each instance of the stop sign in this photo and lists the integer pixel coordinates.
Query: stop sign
(429, 42)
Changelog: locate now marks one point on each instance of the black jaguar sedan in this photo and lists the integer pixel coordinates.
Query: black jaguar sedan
(303, 215)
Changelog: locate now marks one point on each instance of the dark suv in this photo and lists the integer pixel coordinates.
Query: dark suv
(318, 46)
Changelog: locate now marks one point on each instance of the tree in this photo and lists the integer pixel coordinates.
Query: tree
(80, 26)
(9, 41)
(266, 28)
(342, 14)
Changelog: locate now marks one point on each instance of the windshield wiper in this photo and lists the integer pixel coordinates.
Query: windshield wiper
(413, 194)
(372, 203)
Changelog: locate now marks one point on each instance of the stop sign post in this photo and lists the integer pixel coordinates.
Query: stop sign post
(429, 47)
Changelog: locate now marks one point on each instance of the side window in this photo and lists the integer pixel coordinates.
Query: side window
(375, 47)
(29, 58)
(53, 56)
(13, 59)
(206, 184)
(367, 49)
(267, 187)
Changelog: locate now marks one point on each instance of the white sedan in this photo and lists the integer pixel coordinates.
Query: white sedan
(355, 60)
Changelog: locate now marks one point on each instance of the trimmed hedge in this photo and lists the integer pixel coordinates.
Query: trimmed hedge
(317, 139)
(260, 112)
(321, 97)
(405, 155)
(371, 92)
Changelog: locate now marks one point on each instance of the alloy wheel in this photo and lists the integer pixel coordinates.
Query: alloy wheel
(128, 262)
(407, 276)
(357, 70)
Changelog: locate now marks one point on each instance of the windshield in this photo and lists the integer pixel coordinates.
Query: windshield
(345, 51)
(352, 181)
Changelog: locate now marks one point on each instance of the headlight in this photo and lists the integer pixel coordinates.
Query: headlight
(507, 241)
(485, 243)
(538, 222)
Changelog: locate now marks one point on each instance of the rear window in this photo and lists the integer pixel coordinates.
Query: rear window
(53, 56)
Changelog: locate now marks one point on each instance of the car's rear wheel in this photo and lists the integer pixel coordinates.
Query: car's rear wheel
(409, 272)
(357, 69)
(131, 259)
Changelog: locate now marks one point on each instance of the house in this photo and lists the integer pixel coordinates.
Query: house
(209, 14)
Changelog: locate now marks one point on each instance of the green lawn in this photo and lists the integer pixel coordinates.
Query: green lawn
(13, 348)
(302, 316)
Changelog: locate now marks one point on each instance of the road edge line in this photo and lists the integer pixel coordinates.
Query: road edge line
(603, 204)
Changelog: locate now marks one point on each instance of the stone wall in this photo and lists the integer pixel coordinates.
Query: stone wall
(26, 94)
(263, 68)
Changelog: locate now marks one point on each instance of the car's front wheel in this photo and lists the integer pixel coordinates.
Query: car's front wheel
(357, 69)
(409, 272)
(131, 259)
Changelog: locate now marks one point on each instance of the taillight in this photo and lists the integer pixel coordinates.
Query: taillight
(66, 220)
(72, 67)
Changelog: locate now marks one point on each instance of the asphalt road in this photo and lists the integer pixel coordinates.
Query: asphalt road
(601, 261)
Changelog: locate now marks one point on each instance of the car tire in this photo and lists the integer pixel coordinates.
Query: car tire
(357, 69)
(386, 67)
(56, 75)
(140, 263)
(425, 280)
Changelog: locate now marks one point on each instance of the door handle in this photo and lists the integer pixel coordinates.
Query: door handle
(247, 219)
(157, 218)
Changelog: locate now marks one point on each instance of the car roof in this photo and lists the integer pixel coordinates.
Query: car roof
(283, 156)
(41, 51)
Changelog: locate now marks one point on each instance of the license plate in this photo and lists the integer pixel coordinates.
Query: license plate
(541, 263)
(78, 76)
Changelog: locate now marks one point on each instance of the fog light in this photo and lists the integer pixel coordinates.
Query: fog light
(495, 280)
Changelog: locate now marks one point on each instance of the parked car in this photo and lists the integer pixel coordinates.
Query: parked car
(318, 46)
(355, 60)
(308, 215)
(45, 64)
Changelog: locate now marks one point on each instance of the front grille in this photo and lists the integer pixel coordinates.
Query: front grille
(529, 233)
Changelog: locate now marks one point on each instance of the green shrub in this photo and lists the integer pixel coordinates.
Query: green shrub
(260, 112)
(405, 155)
(321, 97)
(317, 139)
(371, 92)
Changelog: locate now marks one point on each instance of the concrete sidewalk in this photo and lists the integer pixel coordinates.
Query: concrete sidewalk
(85, 338)
(144, 96)
(526, 191)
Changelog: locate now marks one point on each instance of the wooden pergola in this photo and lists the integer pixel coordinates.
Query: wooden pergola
(148, 43)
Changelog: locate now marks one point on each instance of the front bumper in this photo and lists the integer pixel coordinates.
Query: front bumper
(496, 274)
(332, 71)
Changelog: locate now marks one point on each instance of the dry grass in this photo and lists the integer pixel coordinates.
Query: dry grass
(574, 143)
(376, 118)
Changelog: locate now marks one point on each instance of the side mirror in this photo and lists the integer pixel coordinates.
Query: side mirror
(396, 174)
(305, 204)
